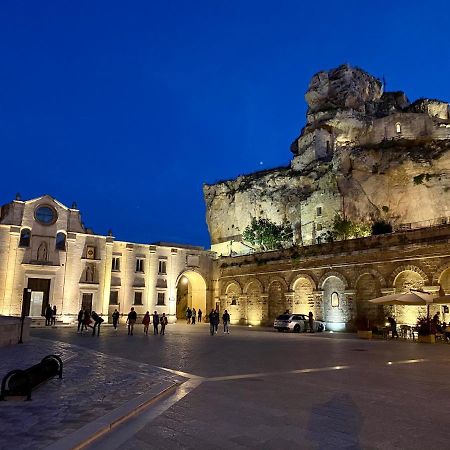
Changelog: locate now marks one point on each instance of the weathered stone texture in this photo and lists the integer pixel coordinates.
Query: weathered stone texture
(352, 272)
(364, 154)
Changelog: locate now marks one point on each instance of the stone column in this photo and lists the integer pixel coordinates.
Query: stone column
(107, 275)
(289, 296)
(8, 306)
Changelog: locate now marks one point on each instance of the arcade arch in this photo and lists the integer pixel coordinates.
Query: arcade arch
(191, 292)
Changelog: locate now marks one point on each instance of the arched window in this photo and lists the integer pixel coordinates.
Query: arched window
(60, 243)
(398, 127)
(25, 237)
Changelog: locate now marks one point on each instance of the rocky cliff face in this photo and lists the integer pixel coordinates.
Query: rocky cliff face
(363, 153)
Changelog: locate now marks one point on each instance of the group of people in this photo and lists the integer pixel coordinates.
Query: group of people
(214, 322)
(50, 315)
(155, 318)
(85, 320)
(192, 315)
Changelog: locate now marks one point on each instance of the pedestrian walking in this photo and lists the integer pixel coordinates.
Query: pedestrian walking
(194, 316)
(80, 320)
(54, 315)
(155, 323)
(216, 320)
(97, 322)
(199, 315)
(212, 320)
(188, 315)
(311, 322)
(226, 322)
(146, 322)
(86, 320)
(131, 320)
(164, 322)
(48, 315)
(115, 319)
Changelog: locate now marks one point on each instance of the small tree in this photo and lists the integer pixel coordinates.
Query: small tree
(346, 229)
(267, 235)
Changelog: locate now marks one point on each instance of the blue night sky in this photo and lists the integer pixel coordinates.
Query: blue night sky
(128, 107)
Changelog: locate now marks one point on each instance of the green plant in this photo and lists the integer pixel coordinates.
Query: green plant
(344, 228)
(267, 235)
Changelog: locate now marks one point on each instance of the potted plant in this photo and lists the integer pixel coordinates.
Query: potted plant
(363, 328)
(424, 330)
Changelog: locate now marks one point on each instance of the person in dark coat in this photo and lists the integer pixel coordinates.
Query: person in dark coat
(188, 315)
(155, 318)
(393, 324)
(86, 320)
(164, 322)
(48, 315)
(146, 322)
(97, 322)
(115, 319)
(216, 321)
(212, 322)
(80, 320)
(54, 315)
(311, 322)
(131, 320)
(199, 315)
(226, 322)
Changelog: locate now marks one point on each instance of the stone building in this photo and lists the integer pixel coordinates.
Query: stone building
(45, 246)
(364, 154)
(336, 280)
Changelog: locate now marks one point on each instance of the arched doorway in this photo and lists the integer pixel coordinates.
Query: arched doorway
(191, 292)
(403, 282)
(304, 297)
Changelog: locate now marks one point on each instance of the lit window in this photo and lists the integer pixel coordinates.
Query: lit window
(319, 211)
(161, 298)
(114, 298)
(334, 299)
(233, 301)
(25, 238)
(162, 266)
(398, 127)
(139, 264)
(138, 298)
(60, 243)
(116, 264)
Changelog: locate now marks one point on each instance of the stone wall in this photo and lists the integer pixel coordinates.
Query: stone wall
(336, 280)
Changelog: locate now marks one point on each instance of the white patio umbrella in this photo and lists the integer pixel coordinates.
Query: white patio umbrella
(412, 298)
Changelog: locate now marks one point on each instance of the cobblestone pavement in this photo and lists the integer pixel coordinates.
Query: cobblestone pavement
(263, 390)
(93, 384)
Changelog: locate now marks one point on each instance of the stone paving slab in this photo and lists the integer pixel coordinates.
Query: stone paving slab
(93, 385)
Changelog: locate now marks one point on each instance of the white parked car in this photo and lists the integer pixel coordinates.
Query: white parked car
(296, 323)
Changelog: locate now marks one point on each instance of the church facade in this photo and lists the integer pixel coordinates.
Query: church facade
(45, 247)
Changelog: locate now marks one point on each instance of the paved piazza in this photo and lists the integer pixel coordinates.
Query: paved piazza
(256, 388)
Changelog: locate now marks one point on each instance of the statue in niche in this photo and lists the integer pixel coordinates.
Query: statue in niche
(42, 253)
(89, 274)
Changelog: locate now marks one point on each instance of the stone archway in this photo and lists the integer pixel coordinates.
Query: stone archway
(191, 292)
(335, 304)
(233, 302)
(303, 296)
(255, 302)
(403, 282)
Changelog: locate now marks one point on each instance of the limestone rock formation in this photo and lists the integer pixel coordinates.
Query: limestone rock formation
(365, 154)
